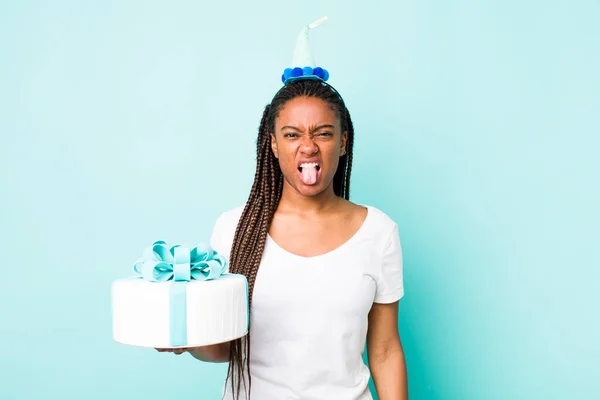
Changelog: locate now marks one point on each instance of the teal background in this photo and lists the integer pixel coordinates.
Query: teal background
(476, 130)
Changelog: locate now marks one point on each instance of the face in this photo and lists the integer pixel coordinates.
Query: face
(308, 142)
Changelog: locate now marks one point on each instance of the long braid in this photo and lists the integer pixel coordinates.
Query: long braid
(348, 156)
(253, 227)
(240, 250)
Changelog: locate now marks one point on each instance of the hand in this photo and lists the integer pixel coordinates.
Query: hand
(178, 350)
(212, 353)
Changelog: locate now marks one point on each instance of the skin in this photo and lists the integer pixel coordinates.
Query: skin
(311, 220)
(307, 129)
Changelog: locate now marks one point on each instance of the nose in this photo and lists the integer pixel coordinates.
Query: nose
(308, 146)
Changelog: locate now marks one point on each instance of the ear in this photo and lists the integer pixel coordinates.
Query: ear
(274, 146)
(343, 144)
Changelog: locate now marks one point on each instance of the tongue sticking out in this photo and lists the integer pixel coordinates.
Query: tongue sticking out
(309, 175)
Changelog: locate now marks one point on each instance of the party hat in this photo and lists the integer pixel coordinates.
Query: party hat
(303, 64)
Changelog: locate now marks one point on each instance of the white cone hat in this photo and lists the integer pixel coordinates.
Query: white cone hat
(302, 54)
(303, 63)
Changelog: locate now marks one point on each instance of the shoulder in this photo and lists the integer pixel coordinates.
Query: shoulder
(224, 229)
(379, 220)
(382, 229)
(230, 217)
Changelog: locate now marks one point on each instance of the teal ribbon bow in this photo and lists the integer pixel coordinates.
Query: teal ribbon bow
(161, 263)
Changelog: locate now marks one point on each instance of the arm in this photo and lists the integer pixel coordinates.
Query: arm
(386, 357)
(216, 353)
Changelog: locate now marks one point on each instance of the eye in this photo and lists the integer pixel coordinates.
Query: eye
(325, 134)
(290, 135)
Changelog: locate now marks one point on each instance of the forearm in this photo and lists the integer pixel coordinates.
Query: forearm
(216, 353)
(389, 375)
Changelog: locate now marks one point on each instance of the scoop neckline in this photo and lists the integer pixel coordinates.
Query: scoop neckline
(330, 252)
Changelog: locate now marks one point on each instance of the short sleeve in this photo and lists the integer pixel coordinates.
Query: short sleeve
(223, 232)
(390, 285)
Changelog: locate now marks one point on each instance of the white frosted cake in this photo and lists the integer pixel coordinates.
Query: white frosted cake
(182, 298)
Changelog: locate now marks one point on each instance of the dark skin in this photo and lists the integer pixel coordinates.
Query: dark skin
(311, 220)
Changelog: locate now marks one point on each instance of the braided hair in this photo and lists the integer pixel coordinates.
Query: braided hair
(253, 226)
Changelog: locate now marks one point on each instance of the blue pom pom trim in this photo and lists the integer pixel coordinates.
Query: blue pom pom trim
(306, 72)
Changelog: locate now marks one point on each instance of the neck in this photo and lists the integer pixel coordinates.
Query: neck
(292, 201)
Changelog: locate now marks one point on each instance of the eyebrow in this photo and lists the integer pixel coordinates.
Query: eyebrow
(314, 129)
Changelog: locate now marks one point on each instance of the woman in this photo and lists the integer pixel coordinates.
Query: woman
(324, 274)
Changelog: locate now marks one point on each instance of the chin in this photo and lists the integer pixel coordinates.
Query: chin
(310, 190)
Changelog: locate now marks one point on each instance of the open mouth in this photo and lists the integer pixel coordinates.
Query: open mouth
(309, 165)
(309, 173)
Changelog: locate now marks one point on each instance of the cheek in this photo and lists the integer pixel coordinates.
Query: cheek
(332, 154)
(286, 155)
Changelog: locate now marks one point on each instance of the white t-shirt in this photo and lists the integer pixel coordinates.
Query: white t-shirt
(309, 314)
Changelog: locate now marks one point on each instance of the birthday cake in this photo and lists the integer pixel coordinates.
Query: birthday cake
(180, 297)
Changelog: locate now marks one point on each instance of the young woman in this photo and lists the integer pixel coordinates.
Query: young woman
(324, 274)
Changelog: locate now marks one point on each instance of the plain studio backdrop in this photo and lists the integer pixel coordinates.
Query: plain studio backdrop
(477, 129)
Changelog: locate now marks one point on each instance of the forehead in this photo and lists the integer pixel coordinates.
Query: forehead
(306, 111)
